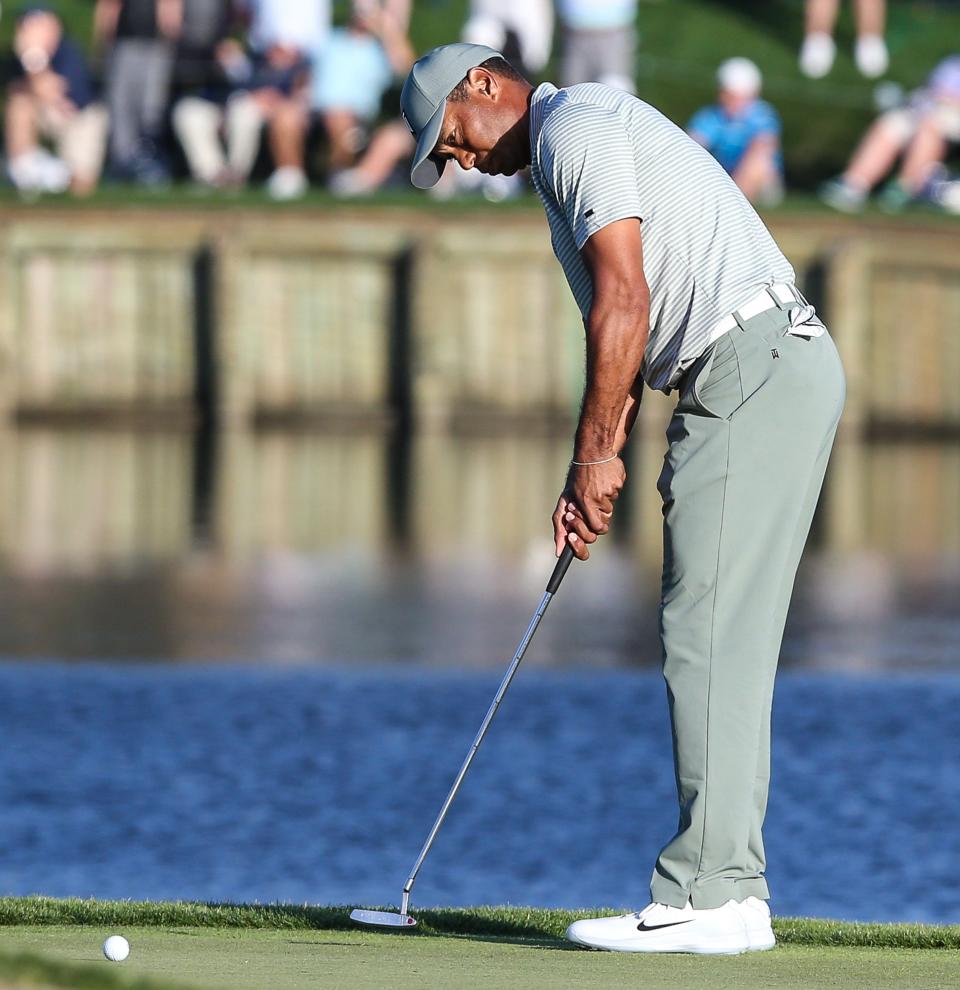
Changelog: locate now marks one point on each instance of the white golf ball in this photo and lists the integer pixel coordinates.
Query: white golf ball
(116, 948)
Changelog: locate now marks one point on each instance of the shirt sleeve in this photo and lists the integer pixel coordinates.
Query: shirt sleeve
(587, 159)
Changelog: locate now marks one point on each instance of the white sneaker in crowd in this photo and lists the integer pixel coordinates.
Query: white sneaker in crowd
(843, 196)
(727, 930)
(946, 194)
(38, 171)
(871, 56)
(348, 183)
(817, 55)
(287, 182)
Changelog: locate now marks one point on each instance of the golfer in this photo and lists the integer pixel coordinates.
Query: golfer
(681, 287)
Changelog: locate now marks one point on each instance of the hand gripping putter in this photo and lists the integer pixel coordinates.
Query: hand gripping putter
(388, 919)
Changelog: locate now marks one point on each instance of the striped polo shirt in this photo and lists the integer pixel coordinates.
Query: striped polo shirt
(599, 155)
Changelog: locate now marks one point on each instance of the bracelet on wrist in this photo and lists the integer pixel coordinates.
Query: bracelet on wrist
(606, 460)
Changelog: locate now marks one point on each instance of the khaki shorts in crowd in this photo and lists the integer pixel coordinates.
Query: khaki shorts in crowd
(904, 121)
(80, 139)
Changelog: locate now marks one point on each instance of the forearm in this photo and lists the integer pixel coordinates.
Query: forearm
(616, 341)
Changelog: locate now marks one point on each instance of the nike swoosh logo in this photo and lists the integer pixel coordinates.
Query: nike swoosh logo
(644, 927)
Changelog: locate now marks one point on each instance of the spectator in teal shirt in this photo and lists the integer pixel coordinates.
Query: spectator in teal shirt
(743, 132)
(351, 73)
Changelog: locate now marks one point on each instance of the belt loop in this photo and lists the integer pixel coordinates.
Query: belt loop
(776, 299)
(740, 321)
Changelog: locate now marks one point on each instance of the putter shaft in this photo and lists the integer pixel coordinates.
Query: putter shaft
(558, 572)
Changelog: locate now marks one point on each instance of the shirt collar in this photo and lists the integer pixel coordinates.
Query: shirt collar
(539, 100)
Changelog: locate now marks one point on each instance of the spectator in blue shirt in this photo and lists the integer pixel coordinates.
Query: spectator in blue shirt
(743, 132)
(351, 73)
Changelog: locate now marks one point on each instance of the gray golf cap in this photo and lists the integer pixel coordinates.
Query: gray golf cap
(424, 99)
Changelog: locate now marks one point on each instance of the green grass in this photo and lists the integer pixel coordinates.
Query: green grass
(56, 943)
(183, 201)
(517, 922)
(171, 956)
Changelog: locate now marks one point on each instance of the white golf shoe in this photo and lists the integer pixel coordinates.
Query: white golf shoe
(727, 930)
(756, 916)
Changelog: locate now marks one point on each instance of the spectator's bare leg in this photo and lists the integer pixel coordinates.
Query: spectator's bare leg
(288, 133)
(196, 122)
(877, 152)
(83, 146)
(925, 152)
(820, 16)
(757, 174)
(390, 145)
(245, 120)
(871, 17)
(345, 136)
(20, 123)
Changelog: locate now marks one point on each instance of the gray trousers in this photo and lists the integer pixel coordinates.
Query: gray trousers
(138, 91)
(749, 442)
(599, 56)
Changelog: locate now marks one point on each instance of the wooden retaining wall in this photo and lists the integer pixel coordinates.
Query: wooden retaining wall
(453, 318)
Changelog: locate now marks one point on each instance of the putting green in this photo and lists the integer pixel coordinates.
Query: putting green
(235, 959)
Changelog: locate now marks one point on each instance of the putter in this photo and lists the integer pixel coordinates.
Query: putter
(389, 919)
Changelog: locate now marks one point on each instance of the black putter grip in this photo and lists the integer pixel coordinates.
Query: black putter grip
(562, 564)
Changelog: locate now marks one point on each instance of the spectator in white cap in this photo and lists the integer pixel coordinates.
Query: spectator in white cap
(743, 132)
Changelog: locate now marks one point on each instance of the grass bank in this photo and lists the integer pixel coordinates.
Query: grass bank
(178, 946)
(515, 922)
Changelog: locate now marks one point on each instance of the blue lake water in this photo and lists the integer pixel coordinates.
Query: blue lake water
(239, 783)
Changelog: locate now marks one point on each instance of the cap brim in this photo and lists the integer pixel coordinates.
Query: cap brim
(426, 170)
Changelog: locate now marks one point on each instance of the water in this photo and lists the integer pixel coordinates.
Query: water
(245, 784)
(315, 548)
(246, 667)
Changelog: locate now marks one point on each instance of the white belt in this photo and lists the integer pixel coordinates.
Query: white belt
(768, 297)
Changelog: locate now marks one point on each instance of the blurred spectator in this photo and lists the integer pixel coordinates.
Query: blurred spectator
(51, 96)
(522, 32)
(209, 66)
(141, 35)
(390, 145)
(352, 72)
(819, 49)
(284, 34)
(921, 132)
(743, 132)
(599, 42)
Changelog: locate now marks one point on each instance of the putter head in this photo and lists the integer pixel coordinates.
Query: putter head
(383, 919)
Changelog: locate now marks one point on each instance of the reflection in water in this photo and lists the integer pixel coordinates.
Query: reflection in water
(360, 547)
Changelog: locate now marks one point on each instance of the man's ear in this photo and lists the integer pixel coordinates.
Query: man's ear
(483, 82)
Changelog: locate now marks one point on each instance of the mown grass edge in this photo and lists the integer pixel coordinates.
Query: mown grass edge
(515, 922)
